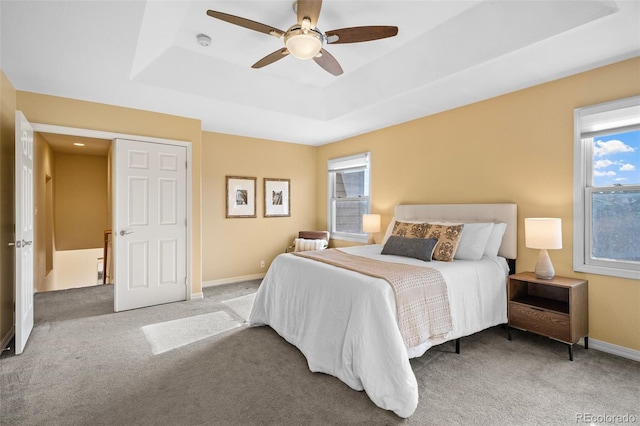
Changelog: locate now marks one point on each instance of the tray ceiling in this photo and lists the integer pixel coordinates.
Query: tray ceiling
(447, 53)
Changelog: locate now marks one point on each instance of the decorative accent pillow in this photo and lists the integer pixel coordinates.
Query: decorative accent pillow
(448, 239)
(495, 239)
(303, 244)
(409, 230)
(392, 224)
(473, 241)
(418, 248)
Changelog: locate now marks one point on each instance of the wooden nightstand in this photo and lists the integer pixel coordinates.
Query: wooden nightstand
(556, 308)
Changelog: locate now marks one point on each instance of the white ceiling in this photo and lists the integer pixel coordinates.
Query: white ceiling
(143, 54)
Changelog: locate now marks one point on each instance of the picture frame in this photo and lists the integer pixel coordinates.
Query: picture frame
(241, 196)
(277, 197)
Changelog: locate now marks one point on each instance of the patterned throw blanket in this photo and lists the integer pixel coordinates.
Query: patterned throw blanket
(421, 293)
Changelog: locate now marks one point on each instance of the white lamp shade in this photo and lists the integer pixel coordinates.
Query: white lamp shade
(543, 233)
(371, 223)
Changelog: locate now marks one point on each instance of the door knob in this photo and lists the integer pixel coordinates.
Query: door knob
(123, 233)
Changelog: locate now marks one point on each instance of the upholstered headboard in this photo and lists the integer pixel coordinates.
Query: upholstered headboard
(497, 213)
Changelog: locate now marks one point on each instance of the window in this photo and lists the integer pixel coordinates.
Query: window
(348, 190)
(606, 233)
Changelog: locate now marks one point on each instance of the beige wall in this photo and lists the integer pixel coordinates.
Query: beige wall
(7, 160)
(513, 148)
(43, 167)
(80, 194)
(234, 247)
(59, 111)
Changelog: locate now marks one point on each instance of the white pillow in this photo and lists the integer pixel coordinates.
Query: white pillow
(495, 239)
(302, 244)
(491, 248)
(473, 241)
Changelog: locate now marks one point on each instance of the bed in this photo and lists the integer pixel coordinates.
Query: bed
(346, 323)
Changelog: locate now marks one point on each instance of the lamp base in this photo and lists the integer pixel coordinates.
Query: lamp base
(544, 269)
(371, 239)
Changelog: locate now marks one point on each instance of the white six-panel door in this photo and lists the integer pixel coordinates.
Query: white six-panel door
(24, 231)
(149, 230)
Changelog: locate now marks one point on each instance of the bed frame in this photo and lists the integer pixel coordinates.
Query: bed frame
(478, 213)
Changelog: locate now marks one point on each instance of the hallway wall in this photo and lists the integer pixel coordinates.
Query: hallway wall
(44, 167)
(80, 194)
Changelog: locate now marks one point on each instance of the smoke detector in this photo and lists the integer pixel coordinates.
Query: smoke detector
(203, 40)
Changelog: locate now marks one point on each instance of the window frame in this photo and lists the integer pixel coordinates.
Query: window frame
(351, 162)
(583, 190)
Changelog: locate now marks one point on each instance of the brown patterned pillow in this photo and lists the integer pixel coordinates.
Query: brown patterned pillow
(448, 239)
(409, 230)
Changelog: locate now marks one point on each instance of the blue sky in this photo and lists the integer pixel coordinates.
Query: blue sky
(616, 159)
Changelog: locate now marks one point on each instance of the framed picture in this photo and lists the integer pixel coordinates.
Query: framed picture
(277, 200)
(241, 196)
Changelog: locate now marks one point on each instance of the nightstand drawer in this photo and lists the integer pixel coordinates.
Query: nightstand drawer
(550, 324)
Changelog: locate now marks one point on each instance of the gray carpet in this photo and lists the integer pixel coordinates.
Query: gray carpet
(241, 305)
(86, 365)
(169, 335)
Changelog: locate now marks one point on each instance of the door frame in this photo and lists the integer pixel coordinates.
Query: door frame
(99, 134)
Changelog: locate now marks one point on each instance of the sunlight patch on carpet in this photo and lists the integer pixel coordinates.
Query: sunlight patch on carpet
(165, 336)
(241, 305)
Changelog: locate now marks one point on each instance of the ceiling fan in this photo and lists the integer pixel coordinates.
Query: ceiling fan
(304, 40)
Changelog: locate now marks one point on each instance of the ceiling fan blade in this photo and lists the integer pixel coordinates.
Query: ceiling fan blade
(358, 34)
(271, 58)
(246, 23)
(309, 9)
(328, 62)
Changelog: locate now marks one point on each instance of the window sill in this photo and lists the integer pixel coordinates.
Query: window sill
(612, 272)
(354, 238)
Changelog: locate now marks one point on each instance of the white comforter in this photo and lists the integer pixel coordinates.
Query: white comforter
(345, 322)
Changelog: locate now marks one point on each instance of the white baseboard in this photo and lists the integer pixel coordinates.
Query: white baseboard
(7, 338)
(196, 296)
(610, 348)
(232, 280)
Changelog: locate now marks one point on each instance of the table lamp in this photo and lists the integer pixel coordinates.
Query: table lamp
(371, 224)
(544, 233)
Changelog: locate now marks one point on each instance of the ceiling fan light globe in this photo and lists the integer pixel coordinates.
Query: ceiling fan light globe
(303, 44)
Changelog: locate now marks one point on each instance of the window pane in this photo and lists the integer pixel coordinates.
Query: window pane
(616, 159)
(350, 184)
(616, 225)
(349, 216)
